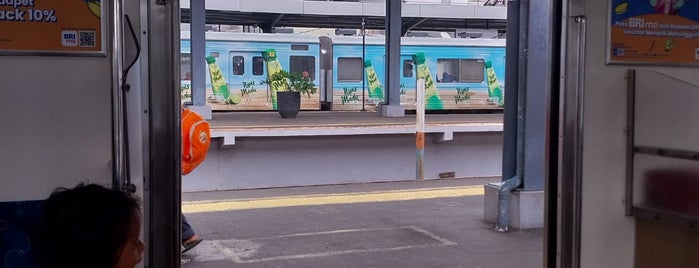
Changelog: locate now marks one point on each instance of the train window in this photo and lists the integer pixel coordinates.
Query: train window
(460, 70)
(447, 70)
(238, 65)
(258, 65)
(407, 68)
(349, 70)
(304, 65)
(185, 66)
(471, 71)
(299, 47)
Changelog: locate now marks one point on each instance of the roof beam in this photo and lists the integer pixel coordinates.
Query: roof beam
(409, 25)
(372, 22)
(276, 20)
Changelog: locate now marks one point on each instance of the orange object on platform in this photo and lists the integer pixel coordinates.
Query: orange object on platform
(196, 138)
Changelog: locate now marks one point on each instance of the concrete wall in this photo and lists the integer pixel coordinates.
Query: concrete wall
(56, 118)
(607, 235)
(56, 113)
(295, 161)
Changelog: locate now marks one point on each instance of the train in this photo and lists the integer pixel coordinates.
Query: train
(349, 71)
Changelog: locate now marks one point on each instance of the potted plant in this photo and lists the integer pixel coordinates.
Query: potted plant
(289, 87)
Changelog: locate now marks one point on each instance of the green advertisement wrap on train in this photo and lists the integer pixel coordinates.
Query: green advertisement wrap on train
(218, 83)
(350, 71)
(494, 88)
(373, 83)
(273, 67)
(432, 99)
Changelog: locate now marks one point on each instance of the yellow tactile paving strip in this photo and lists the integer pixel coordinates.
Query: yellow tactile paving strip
(330, 199)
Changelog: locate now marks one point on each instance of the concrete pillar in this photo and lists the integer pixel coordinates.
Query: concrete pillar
(198, 43)
(538, 93)
(526, 208)
(391, 107)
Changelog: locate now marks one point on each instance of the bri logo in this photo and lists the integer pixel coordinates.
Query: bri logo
(70, 38)
(619, 51)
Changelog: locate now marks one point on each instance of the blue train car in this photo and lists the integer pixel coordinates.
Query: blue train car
(336, 65)
(457, 66)
(239, 56)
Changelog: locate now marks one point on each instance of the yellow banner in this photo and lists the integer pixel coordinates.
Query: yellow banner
(654, 32)
(51, 26)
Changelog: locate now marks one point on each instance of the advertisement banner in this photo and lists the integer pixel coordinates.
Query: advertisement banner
(52, 27)
(273, 67)
(656, 32)
(494, 91)
(219, 85)
(375, 92)
(432, 99)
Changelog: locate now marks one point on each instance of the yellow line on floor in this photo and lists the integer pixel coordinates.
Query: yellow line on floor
(330, 199)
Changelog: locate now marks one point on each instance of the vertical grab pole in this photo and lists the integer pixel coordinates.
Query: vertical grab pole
(420, 128)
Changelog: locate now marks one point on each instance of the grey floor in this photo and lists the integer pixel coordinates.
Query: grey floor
(440, 232)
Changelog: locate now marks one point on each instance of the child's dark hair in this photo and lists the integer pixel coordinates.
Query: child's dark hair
(86, 226)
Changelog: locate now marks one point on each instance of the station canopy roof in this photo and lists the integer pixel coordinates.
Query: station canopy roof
(271, 20)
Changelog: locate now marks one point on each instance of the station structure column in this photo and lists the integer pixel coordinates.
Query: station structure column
(198, 55)
(538, 87)
(518, 201)
(391, 107)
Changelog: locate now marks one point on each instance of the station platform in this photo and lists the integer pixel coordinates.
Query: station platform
(436, 223)
(240, 120)
(253, 150)
(232, 125)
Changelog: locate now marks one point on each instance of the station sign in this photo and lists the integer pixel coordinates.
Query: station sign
(52, 27)
(654, 32)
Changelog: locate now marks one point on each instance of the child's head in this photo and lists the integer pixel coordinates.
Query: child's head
(89, 226)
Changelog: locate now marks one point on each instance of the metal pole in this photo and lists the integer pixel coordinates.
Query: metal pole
(420, 129)
(362, 65)
(509, 155)
(198, 52)
(162, 187)
(514, 182)
(118, 134)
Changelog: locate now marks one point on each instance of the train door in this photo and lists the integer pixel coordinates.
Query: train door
(259, 74)
(306, 64)
(236, 72)
(349, 79)
(185, 77)
(105, 112)
(408, 80)
(244, 73)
